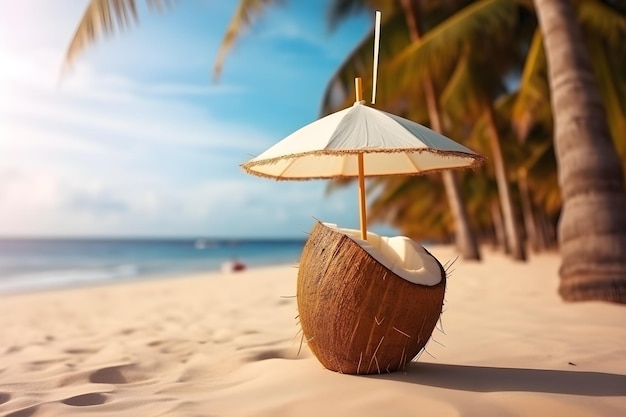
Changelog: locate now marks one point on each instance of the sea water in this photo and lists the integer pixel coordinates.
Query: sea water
(31, 264)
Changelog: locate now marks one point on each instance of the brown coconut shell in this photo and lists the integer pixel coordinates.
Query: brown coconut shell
(357, 316)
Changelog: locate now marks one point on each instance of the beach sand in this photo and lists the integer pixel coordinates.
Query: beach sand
(226, 344)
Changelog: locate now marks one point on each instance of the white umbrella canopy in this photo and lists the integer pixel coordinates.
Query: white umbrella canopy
(390, 145)
(360, 141)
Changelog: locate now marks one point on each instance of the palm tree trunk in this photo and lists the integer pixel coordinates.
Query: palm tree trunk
(498, 226)
(547, 230)
(513, 238)
(532, 234)
(543, 241)
(592, 227)
(465, 238)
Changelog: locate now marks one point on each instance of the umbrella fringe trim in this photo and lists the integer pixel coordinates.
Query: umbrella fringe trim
(478, 160)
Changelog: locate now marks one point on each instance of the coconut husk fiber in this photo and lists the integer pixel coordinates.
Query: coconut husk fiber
(357, 316)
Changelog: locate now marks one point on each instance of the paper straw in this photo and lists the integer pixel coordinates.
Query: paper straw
(376, 48)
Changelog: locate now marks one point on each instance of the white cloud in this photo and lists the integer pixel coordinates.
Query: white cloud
(116, 105)
(49, 202)
(78, 157)
(115, 149)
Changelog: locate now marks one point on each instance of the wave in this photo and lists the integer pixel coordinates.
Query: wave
(37, 264)
(60, 278)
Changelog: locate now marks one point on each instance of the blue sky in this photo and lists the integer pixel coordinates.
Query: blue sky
(138, 141)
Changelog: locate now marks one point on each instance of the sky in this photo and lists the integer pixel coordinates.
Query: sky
(138, 141)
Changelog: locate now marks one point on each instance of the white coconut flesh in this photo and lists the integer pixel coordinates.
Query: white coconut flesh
(401, 255)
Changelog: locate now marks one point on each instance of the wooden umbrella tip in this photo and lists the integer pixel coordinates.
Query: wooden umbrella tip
(358, 88)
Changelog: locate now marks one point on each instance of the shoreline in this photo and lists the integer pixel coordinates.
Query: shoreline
(39, 263)
(65, 284)
(228, 345)
(156, 276)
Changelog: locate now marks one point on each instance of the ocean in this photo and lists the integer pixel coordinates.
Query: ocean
(35, 264)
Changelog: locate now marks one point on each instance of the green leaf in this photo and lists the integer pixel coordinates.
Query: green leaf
(613, 102)
(245, 13)
(602, 19)
(103, 18)
(474, 25)
(339, 92)
(533, 89)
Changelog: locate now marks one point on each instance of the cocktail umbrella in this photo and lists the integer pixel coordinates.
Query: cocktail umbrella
(360, 142)
(364, 306)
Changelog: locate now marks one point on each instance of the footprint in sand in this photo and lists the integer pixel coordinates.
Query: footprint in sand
(284, 301)
(112, 375)
(274, 354)
(14, 349)
(80, 351)
(25, 412)
(85, 400)
(40, 365)
(4, 397)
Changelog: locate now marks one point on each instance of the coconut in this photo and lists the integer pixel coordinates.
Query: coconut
(367, 306)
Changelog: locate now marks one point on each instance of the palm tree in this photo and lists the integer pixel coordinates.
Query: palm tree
(607, 263)
(592, 228)
(603, 24)
(465, 239)
(400, 20)
(462, 37)
(513, 237)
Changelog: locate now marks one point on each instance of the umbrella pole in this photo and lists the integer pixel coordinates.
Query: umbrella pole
(362, 207)
(358, 88)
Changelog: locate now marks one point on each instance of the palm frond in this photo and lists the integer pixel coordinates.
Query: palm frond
(613, 102)
(340, 10)
(543, 180)
(395, 191)
(463, 98)
(478, 139)
(337, 184)
(474, 25)
(515, 156)
(415, 205)
(339, 90)
(103, 18)
(533, 90)
(600, 18)
(245, 13)
(536, 153)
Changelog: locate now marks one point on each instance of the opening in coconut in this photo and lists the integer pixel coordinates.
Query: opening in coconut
(401, 255)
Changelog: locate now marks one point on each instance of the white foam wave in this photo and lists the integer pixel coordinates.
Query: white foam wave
(64, 277)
